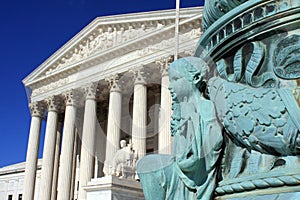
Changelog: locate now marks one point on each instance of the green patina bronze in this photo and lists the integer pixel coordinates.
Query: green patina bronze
(191, 172)
(236, 116)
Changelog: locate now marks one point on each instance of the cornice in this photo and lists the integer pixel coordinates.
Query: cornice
(16, 168)
(103, 70)
(136, 20)
(148, 16)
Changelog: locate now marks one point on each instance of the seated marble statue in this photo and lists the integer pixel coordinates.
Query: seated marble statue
(124, 161)
(191, 172)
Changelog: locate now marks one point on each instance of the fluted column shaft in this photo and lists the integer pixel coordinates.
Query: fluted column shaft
(96, 167)
(156, 122)
(56, 158)
(113, 125)
(49, 149)
(139, 116)
(74, 166)
(164, 136)
(65, 171)
(37, 111)
(88, 139)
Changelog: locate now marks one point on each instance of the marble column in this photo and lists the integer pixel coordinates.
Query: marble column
(139, 116)
(56, 158)
(49, 148)
(88, 139)
(113, 124)
(74, 166)
(164, 135)
(37, 110)
(156, 120)
(96, 167)
(65, 170)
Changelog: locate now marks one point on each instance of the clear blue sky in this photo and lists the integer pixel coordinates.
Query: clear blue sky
(32, 30)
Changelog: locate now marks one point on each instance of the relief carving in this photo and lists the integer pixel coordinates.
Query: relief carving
(236, 125)
(286, 57)
(101, 40)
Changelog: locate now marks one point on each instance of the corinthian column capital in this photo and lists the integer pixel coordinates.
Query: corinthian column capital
(37, 109)
(71, 97)
(139, 76)
(54, 103)
(164, 64)
(114, 84)
(91, 90)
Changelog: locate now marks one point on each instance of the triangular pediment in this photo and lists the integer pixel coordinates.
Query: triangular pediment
(109, 36)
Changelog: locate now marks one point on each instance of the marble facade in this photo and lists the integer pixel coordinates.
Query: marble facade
(12, 180)
(108, 83)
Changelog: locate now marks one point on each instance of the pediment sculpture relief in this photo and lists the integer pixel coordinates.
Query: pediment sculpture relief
(103, 39)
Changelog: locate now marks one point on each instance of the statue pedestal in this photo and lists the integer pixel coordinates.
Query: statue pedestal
(114, 188)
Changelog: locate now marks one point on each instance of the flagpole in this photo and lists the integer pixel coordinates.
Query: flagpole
(177, 30)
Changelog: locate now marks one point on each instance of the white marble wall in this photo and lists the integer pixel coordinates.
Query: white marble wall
(12, 181)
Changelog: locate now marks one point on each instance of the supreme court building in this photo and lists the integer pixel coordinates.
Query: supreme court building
(108, 84)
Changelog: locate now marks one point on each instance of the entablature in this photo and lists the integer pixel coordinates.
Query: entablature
(98, 46)
(119, 65)
(107, 37)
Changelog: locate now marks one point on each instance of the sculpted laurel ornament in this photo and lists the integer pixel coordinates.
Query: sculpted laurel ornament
(262, 183)
(246, 71)
(286, 57)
